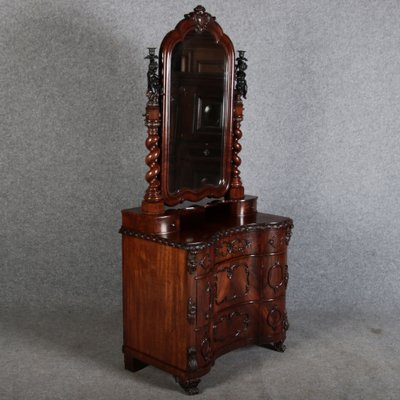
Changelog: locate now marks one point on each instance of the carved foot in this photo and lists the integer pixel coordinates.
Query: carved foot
(277, 346)
(189, 386)
(133, 364)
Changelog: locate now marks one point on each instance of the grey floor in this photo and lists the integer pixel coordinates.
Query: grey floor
(76, 354)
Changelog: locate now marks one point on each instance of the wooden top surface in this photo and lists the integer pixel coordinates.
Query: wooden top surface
(200, 225)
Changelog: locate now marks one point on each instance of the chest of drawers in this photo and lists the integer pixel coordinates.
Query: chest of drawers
(190, 295)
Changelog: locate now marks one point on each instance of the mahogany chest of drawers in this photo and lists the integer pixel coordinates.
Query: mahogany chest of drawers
(193, 294)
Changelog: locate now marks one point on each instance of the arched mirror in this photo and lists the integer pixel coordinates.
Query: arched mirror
(197, 70)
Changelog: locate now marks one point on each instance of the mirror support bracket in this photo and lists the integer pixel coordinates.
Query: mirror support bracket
(236, 189)
(153, 202)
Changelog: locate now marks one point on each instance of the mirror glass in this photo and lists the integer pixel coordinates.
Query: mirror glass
(197, 109)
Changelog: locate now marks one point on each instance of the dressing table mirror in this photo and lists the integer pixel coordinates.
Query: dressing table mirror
(204, 272)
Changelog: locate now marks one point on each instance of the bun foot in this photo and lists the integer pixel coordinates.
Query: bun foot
(133, 364)
(189, 386)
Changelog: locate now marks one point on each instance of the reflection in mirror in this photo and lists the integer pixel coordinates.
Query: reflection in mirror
(197, 113)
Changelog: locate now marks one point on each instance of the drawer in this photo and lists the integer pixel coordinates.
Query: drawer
(274, 276)
(237, 324)
(238, 245)
(273, 321)
(236, 281)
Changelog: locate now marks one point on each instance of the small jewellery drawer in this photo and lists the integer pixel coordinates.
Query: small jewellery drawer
(237, 245)
(274, 276)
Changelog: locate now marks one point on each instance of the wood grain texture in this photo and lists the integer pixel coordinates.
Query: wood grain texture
(154, 313)
(216, 284)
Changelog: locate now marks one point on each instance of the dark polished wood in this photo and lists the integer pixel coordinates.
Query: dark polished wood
(153, 202)
(215, 284)
(197, 21)
(204, 272)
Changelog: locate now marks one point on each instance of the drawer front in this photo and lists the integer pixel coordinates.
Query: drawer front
(238, 245)
(274, 276)
(273, 321)
(236, 281)
(233, 325)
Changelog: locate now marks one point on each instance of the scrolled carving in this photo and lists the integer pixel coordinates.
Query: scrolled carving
(232, 318)
(241, 66)
(234, 246)
(192, 309)
(205, 349)
(289, 233)
(230, 272)
(205, 262)
(210, 300)
(286, 324)
(277, 241)
(153, 81)
(284, 276)
(192, 359)
(201, 18)
(275, 317)
(192, 261)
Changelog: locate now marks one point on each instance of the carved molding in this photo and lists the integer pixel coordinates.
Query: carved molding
(230, 319)
(201, 18)
(277, 241)
(205, 349)
(286, 324)
(241, 66)
(234, 246)
(205, 262)
(192, 359)
(191, 265)
(275, 317)
(288, 233)
(230, 271)
(210, 301)
(153, 80)
(193, 249)
(284, 274)
(192, 309)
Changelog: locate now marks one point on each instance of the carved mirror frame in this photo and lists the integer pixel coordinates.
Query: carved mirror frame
(198, 21)
(158, 117)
